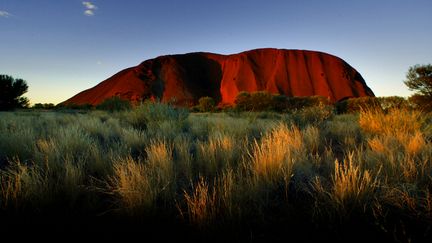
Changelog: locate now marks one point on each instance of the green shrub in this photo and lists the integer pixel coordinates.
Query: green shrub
(261, 101)
(301, 102)
(73, 106)
(114, 103)
(265, 101)
(155, 113)
(279, 103)
(312, 115)
(242, 101)
(420, 102)
(227, 108)
(393, 102)
(206, 104)
(46, 106)
(353, 105)
(255, 101)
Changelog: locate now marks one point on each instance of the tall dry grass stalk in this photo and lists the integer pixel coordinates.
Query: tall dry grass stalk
(350, 188)
(22, 186)
(183, 158)
(138, 184)
(133, 186)
(206, 202)
(408, 198)
(273, 158)
(352, 185)
(160, 167)
(73, 180)
(201, 204)
(160, 160)
(228, 194)
(216, 154)
(415, 143)
(312, 139)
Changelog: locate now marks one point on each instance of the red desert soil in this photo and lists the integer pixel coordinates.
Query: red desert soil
(187, 77)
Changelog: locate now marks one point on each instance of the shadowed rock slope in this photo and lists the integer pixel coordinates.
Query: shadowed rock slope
(183, 79)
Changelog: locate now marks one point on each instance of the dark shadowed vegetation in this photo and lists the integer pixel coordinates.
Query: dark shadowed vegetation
(11, 91)
(43, 106)
(114, 104)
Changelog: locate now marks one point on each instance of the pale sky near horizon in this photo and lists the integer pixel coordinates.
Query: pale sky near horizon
(63, 47)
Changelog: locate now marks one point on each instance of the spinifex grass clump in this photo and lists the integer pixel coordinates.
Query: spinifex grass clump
(353, 186)
(397, 143)
(273, 158)
(141, 184)
(395, 122)
(133, 186)
(201, 204)
(216, 154)
(215, 202)
(23, 186)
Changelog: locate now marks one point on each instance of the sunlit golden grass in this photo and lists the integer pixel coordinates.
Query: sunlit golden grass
(395, 122)
(201, 204)
(140, 183)
(352, 184)
(415, 144)
(350, 188)
(208, 202)
(133, 186)
(274, 156)
(397, 144)
(159, 159)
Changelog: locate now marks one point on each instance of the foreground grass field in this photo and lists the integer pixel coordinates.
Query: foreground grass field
(308, 175)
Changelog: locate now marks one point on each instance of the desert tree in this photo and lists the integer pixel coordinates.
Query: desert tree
(11, 91)
(419, 79)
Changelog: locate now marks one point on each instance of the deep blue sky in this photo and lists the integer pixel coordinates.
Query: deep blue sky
(61, 50)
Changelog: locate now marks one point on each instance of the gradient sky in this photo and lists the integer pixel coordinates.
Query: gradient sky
(61, 47)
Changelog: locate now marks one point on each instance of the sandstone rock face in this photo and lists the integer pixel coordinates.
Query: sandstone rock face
(183, 79)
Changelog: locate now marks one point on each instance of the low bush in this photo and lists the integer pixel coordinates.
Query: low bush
(393, 102)
(312, 115)
(114, 103)
(154, 113)
(353, 105)
(45, 106)
(243, 101)
(206, 104)
(73, 106)
(265, 101)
